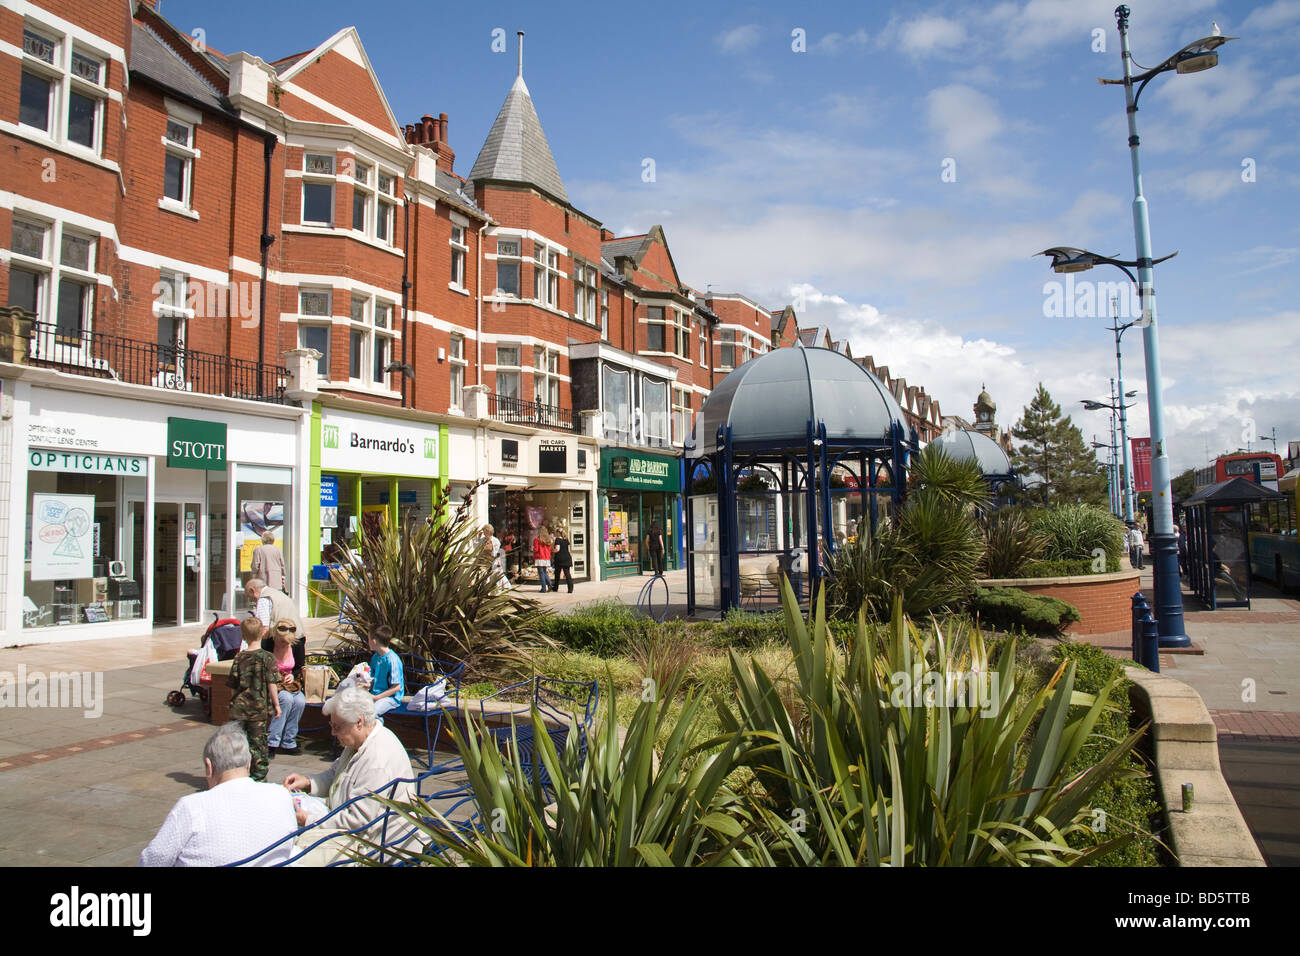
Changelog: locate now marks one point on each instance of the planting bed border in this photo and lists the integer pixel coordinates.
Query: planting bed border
(1186, 747)
(1104, 600)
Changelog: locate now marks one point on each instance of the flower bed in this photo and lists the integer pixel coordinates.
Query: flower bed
(1104, 600)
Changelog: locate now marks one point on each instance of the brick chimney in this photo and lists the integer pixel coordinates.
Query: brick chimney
(432, 133)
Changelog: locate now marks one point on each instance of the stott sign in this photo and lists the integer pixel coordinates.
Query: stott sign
(375, 445)
(196, 444)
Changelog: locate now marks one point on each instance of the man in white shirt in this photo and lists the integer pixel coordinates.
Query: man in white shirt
(233, 819)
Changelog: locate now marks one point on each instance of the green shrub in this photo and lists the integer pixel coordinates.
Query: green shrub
(602, 627)
(1064, 569)
(1013, 608)
(1009, 543)
(1128, 800)
(744, 629)
(1079, 531)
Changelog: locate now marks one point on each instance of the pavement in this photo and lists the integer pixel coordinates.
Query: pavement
(87, 778)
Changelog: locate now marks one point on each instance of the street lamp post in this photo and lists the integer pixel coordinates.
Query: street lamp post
(1192, 58)
(1126, 481)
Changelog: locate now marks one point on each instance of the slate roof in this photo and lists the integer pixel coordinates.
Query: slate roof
(516, 149)
(153, 58)
(455, 189)
(633, 246)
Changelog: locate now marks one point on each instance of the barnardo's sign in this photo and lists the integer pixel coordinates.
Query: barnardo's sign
(639, 470)
(196, 444)
(371, 444)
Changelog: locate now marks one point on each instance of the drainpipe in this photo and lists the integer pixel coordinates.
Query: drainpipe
(478, 282)
(406, 286)
(268, 148)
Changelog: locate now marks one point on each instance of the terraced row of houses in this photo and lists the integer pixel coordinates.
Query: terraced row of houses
(246, 297)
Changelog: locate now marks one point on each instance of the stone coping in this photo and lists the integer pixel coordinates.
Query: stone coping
(1213, 832)
(1108, 577)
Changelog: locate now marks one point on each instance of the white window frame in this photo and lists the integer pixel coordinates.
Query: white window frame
(361, 185)
(317, 178)
(604, 314)
(656, 428)
(584, 292)
(456, 366)
(377, 336)
(617, 419)
(459, 255)
(727, 339)
(680, 414)
(315, 320)
(385, 234)
(682, 335)
(517, 259)
(546, 377)
(513, 372)
(704, 344)
(65, 81)
(173, 306)
(546, 275)
(186, 152)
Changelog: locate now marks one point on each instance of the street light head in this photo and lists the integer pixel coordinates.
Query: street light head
(1130, 394)
(1092, 406)
(1198, 56)
(1069, 259)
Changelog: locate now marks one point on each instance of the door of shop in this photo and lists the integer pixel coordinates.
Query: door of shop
(176, 563)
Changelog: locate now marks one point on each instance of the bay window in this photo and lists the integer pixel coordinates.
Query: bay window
(654, 401)
(63, 89)
(546, 379)
(508, 268)
(315, 308)
(318, 189)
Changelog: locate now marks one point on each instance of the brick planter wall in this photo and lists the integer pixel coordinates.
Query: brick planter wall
(1104, 600)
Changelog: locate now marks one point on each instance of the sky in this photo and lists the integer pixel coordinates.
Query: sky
(892, 169)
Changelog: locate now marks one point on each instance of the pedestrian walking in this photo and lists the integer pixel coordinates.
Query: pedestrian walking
(562, 557)
(542, 557)
(654, 544)
(1135, 546)
(254, 680)
(268, 562)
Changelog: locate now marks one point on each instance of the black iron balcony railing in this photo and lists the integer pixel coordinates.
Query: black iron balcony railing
(143, 363)
(516, 411)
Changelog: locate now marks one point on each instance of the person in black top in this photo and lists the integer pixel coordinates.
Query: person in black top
(562, 558)
(654, 542)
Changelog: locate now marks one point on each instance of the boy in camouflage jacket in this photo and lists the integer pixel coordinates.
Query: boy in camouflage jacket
(253, 681)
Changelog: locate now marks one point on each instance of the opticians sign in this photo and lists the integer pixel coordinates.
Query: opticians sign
(372, 444)
(45, 459)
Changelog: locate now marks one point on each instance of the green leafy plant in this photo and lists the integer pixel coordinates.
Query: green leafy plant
(1066, 569)
(601, 627)
(429, 582)
(1078, 531)
(1011, 608)
(1009, 543)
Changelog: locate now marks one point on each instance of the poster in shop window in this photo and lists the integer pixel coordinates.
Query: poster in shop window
(62, 536)
(256, 517)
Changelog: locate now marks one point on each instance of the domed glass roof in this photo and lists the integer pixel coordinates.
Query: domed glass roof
(770, 400)
(964, 444)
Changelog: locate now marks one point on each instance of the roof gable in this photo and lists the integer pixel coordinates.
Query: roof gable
(337, 77)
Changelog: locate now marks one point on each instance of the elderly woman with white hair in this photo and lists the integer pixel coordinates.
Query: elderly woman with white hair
(372, 758)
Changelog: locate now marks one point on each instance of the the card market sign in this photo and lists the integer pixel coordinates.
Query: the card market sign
(371, 444)
(639, 471)
(196, 444)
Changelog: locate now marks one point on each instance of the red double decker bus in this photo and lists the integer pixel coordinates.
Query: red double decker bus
(1242, 465)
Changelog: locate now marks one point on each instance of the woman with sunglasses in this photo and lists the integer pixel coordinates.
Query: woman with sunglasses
(287, 647)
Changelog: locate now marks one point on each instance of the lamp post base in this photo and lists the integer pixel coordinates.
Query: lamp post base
(1169, 593)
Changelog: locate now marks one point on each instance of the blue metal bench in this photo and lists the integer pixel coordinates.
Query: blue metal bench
(387, 830)
(558, 701)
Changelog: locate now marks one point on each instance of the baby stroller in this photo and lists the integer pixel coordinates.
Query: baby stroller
(221, 641)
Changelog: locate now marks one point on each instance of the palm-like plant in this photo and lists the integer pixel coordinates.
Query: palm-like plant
(1078, 531)
(871, 778)
(1010, 542)
(430, 582)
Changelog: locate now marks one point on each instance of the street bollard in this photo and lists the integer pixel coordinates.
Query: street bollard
(1140, 606)
(1150, 658)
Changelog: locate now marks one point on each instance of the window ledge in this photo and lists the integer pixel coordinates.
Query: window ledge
(46, 141)
(171, 205)
(320, 229)
(459, 289)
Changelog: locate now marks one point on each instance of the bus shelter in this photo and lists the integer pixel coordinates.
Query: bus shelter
(794, 454)
(1218, 544)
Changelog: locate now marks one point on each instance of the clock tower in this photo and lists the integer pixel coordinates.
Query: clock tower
(985, 411)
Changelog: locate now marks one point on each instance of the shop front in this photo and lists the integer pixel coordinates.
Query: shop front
(138, 514)
(638, 490)
(540, 481)
(368, 471)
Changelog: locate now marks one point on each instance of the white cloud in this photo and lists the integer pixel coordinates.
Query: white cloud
(964, 118)
(739, 39)
(930, 34)
(1264, 23)
(836, 42)
(1207, 185)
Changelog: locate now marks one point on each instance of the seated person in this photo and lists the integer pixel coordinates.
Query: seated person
(387, 683)
(372, 758)
(233, 819)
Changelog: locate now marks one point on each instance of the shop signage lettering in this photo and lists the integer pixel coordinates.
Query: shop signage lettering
(368, 443)
(552, 458)
(650, 472)
(509, 451)
(40, 460)
(196, 444)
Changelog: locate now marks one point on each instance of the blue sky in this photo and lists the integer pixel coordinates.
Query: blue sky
(817, 176)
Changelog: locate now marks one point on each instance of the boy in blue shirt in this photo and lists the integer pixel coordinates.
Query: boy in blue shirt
(387, 685)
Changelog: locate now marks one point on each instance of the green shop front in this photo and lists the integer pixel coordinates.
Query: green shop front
(368, 471)
(638, 489)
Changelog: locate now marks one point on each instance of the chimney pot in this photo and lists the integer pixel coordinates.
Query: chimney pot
(442, 127)
(427, 128)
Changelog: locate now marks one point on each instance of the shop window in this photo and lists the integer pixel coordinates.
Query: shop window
(263, 502)
(84, 540)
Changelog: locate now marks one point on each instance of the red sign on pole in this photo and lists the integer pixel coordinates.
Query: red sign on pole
(1141, 448)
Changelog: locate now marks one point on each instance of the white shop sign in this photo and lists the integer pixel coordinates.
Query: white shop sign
(374, 445)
